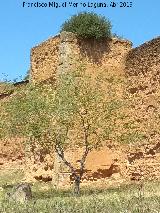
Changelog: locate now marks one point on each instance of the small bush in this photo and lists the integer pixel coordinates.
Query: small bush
(88, 25)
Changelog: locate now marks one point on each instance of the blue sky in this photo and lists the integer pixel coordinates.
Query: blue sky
(21, 28)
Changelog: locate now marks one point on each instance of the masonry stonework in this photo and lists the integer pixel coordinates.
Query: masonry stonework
(66, 51)
(44, 60)
(143, 59)
(142, 68)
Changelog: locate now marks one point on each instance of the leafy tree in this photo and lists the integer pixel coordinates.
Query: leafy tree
(88, 25)
(77, 113)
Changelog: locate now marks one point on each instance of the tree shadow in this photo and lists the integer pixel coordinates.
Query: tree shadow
(94, 49)
(40, 194)
(100, 173)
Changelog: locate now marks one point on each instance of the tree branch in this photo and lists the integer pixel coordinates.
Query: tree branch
(85, 129)
(60, 153)
(59, 150)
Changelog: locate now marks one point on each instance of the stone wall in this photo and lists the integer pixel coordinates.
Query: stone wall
(143, 59)
(143, 162)
(141, 65)
(44, 60)
(105, 52)
(64, 52)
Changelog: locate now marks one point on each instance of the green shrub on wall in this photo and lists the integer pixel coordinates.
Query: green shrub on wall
(88, 25)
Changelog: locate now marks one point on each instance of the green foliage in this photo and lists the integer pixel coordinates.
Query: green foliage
(26, 113)
(41, 112)
(77, 101)
(77, 114)
(88, 25)
(6, 88)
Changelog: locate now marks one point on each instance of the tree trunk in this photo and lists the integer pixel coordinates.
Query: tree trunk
(77, 185)
(57, 169)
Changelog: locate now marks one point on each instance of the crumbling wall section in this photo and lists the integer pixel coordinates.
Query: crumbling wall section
(144, 59)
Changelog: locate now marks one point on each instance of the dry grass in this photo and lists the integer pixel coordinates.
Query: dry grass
(135, 198)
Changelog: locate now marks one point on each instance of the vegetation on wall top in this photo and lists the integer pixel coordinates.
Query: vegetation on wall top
(88, 25)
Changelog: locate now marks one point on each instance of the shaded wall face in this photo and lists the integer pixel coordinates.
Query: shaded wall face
(92, 53)
(44, 60)
(66, 52)
(104, 54)
(143, 59)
